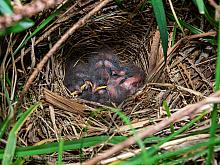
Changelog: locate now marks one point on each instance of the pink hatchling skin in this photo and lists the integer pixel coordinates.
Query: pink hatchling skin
(119, 88)
(104, 69)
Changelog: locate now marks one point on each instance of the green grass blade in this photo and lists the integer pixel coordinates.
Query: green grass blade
(12, 139)
(209, 18)
(5, 7)
(7, 120)
(173, 36)
(60, 152)
(68, 145)
(184, 128)
(4, 125)
(126, 120)
(175, 16)
(168, 114)
(217, 70)
(19, 26)
(201, 6)
(214, 115)
(190, 27)
(19, 161)
(162, 23)
(199, 147)
(193, 29)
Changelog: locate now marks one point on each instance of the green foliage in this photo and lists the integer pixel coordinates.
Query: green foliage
(12, 138)
(214, 114)
(19, 26)
(67, 145)
(5, 124)
(173, 35)
(5, 7)
(60, 152)
(203, 10)
(201, 6)
(175, 16)
(126, 120)
(168, 114)
(162, 23)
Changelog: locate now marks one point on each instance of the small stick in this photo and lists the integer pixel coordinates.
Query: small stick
(26, 11)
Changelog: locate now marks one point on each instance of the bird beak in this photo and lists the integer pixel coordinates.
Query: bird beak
(82, 88)
(97, 88)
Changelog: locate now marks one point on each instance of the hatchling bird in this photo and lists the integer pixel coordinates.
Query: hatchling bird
(103, 79)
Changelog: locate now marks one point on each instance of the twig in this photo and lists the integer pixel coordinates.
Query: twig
(27, 11)
(56, 46)
(196, 93)
(213, 4)
(150, 130)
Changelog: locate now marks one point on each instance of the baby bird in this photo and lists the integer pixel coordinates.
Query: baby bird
(77, 78)
(103, 79)
(120, 87)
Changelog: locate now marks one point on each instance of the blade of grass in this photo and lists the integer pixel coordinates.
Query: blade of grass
(68, 145)
(126, 120)
(209, 18)
(190, 27)
(189, 156)
(193, 29)
(60, 152)
(168, 114)
(19, 161)
(173, 35)
(201, 6)
(5, 7)
(7, 120)
(12, 139)
(4, 125)
(162, 23)
(19, 26)
(214, 115)
(170, 137)
(175, 16)
(197, 147)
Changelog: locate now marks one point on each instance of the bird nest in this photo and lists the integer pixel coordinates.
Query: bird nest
(184, 80)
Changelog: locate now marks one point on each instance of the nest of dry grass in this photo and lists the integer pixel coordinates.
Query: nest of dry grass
(186, 79)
